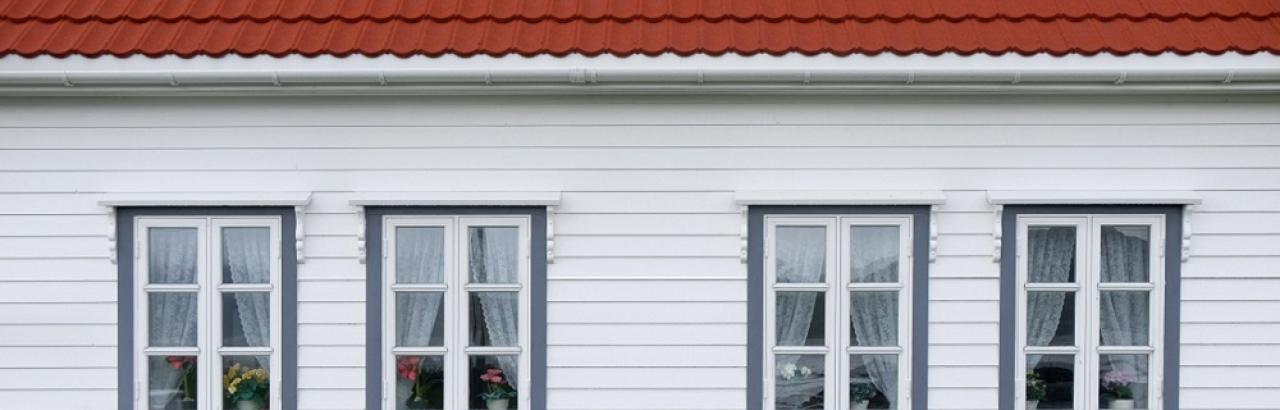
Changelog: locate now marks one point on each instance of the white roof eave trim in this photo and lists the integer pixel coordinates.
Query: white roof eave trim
(1230, 73)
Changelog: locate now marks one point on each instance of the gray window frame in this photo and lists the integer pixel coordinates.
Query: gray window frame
(374, 216)
(919, 291)
(125, 217)
(1173, 215)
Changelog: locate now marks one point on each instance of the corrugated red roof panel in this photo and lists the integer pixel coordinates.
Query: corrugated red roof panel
(627, 27)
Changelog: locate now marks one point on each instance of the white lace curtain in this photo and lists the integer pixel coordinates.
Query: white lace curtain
(419, 259)
(801, 258)
(172, 256)
(495, 255)
(1050, 257)
(874, 315)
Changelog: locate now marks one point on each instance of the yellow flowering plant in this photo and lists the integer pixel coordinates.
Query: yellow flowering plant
(244, 384)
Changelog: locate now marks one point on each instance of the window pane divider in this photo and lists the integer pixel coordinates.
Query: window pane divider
(510, 287)
(242, 351)
(171, 287)
(783, 287)
(492, 350)
(1126, 286)
(874, 286)
(816, 350)
(1052, 350)
(423, 351)
(419, 287)
(874, 350)
(171, 351)
(1125, 350)
(245, 287)
(1053, 286)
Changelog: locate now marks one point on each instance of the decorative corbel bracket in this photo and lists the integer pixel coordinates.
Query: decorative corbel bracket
(361, 241)
(551, 234)
(997, 234)
(933, 233)
(299, 219)
(1186, 232)
(742, 234)
(111, 234)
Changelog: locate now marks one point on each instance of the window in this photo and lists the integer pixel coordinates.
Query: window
(837, 311)
(456, 297)
(1089, 305)
(207, 303)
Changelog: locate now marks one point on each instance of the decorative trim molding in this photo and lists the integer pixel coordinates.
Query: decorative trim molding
(361, 240)
(1186, 231)
(997, 234)
(1084, 197)
(457, 198)
(206, 199)
(933, 233)
(111, 234)
(839, 197)
(742, 233)
(299, 216)
(551, 234)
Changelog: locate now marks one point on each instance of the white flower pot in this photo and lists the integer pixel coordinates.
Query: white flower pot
(1121, 404)
(859, 405)
(1032, 404)
(500, 404)
(248, 405)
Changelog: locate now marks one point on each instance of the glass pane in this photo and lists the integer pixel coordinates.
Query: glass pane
(873, 318)
(172, 320)
(1126, 253)
(873, 253)
(172, 382)
(1123, 381)
(420, 255)
(495, 317)
(495, 254)
(1125, 318)
(1051, 319)
(1050, 383)
(420, 383)
(1051, 254)
(873, 381)
(246, 255)
(246, 379)
(800, 381)
(246, 319)
(801, 319)
(494, 381)
(171, 255)
(419, 319)
(801, 254)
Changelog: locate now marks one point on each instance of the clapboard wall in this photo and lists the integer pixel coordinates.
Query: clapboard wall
(647, 295)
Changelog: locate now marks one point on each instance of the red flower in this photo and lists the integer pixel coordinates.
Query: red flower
(177, 362)
(408, 368)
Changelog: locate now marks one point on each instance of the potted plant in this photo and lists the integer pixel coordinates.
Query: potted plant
(498, 390)
(186, 382)
(428, 385)
(1036, 390)
(245, 389)
(860, 395)
(1116, 388)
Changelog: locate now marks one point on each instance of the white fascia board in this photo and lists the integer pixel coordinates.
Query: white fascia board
(1071, 197)
(292, 199)
(457, 198)
(839, 197)
(668, 73)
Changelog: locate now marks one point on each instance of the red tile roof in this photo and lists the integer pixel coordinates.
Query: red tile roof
(626, 27)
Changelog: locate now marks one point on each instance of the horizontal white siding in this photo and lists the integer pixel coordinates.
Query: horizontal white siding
(647, 297)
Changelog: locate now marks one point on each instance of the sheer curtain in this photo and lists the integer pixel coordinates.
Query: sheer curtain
(172, 256)
(875, 314)
(495, 255)
(1051, 257)
(1125, 258)
(801, 258)
(419, 259)
(246, 258)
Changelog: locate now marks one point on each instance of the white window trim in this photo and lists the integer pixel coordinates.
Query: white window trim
(457, 307)
(209, 302)
(1088, 293)
(836, 302)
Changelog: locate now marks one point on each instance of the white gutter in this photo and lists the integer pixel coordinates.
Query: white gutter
(665, 74)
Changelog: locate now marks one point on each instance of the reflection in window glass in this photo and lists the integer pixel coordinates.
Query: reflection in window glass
(1051, 381)
(801, 254)
(873, 378)
(494, 379)
(246, 379)
(799, 381)
(172, 382)
(1122, 381)
(420, 382)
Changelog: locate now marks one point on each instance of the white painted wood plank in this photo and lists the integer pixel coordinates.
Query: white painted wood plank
(964, 377)
(1241, 245)
(56, 379)
(1204, 358)
(647, 334)
(331, 356)
(647, 378)
(663, 246)
(1263, 398)
(621, 290)
(646, 356)
(964, 356)
(1242, 289)
(58, 335)
(964, 289)
(1226, 333)
(57, 270)
(1230, 311)
(639, 266)
(963, 399)
(963, 333)
(53, 313)
(49, 357)
(620, 311)
(649, 224)
(943, 311)
(52, 292)
(646, 399)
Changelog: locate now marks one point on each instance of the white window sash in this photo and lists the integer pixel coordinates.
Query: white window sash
(1087, 293)
(208, 289)
(837, 287)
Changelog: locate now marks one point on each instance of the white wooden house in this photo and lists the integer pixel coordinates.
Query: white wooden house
(583, 205)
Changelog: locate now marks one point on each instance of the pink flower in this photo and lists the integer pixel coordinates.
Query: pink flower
(408, 368)
(486, 378)
(177, 362)
(493, 371)
(496, 380)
